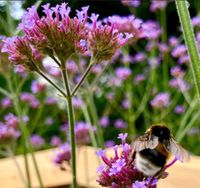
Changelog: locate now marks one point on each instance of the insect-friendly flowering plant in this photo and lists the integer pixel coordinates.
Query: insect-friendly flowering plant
(148, 81)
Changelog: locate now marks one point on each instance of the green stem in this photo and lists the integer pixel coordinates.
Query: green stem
(85, 74)
(71, 123)
(188, 33)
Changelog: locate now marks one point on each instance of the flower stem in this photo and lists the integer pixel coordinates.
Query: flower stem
(188, 33)
(71, 123)
(85, 74)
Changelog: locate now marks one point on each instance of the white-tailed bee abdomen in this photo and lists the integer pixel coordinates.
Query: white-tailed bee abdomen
(152, 150)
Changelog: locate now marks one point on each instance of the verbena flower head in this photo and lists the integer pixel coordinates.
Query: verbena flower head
(6, 102)
(7, 134)
(104, 40)
(161, 100)
(62, 154)
(20, 52)
(119, 171)
(37, 141)
(158, 5)
(56, 32)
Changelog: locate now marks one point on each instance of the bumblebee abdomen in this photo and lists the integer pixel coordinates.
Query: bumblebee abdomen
(154, 156)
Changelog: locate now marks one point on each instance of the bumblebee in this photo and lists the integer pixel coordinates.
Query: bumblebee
(152, 150)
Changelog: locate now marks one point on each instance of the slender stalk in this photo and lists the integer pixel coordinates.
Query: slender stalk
(25, 134)
(11, 154)
(85, 74)
(188, 33)
(71, 123)
(52, 83)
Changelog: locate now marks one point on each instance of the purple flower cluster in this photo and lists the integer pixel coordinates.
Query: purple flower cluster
(62, 154)
(56, 33)
(37, 141)
(160, 101)
(119, 170)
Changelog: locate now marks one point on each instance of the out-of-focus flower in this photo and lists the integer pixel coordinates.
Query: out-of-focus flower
(173, 41)
(30, 99)
(6, 102)
(160, 101)
(179, 51)
(77, 102)
(49, 121)
(139, 57)
(196, 21)
(104, 121)
(21, 70)
(56, 141)
(37, 141)
(109, 143)
(193, 131)
(151, 30)
(120, 124)
(11, 120)
(129, 24)
(131, 3)
(37, 87)
(126, 103)
(139, 78)
(177, 72)
(180, 84)
(82, 133)
(123, 73)
(97, 69)
(71, 67)
(158, 5)
(7, 134)
(179, 109)
(154, 61)
(62, 154)
(50, 101)
(104, 40)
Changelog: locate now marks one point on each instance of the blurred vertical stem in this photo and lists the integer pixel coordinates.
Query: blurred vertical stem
(71, 122)
(188, 33)
(164, 40)
(25, 135)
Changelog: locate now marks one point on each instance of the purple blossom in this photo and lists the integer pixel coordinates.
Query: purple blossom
(37, 87)
(173, 41)
(56, 141)
(139, 184)
(77, 102)
(151, 30)
(139, 57)
(48, 121)
(179, 109)
(158, 5)
(139, 78)
(127, 24)
(134, 3)
(180, 84)
(117, 166)
(104, 121)
(120, 124)
(72, 67)
(62, 154)
(109, 143)
(160, 101)
(123, 73)
(179, 51)
(6, 102)
(177, 71)
(11, 120)
(126, 104)
(50, 101)
(37, 141)
(196, 21)
(82, 133)
(7, 134)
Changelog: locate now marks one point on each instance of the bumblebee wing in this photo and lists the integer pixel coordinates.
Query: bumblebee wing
(145, 142)
(179, 151)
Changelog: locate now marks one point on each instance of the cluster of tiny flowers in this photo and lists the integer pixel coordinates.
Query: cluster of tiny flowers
(9, 129)
(119, 171)
(160, 101)
(62, 154)
(56, 34)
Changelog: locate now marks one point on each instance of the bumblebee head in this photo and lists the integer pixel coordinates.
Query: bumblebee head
(162, 132)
